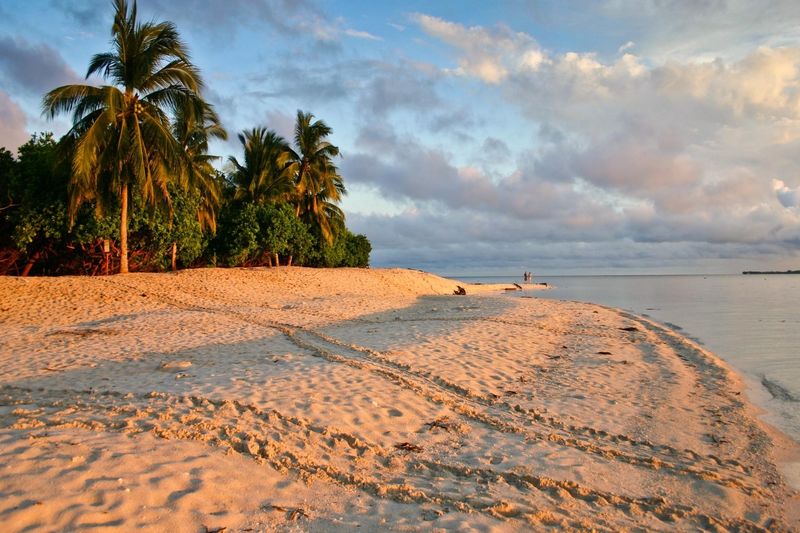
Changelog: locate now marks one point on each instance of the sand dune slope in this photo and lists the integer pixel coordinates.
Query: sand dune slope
(328, 400)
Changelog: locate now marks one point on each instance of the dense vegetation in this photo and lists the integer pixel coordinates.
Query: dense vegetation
(132, 186)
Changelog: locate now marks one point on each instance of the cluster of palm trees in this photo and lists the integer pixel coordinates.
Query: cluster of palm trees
(274, 172)
(150, 128)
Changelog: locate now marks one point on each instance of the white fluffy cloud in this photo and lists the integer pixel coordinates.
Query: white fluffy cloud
(487, 54)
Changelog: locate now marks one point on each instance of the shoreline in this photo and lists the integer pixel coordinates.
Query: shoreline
(361, 396)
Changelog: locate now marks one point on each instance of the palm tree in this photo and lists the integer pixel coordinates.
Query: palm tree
(193, 134)
(122, 131)
(319, 185)
(266, 175)
(197, 172)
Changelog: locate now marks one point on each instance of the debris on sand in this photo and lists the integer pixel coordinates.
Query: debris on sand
(408, 447)
(175, 365)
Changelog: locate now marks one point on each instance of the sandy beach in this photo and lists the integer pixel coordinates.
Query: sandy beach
(297, 399)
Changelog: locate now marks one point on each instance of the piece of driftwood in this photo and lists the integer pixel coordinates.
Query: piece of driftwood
(460, 291)
(297, 513)
(517, 285)
(443, 423)
(408, 447)
(630, 328)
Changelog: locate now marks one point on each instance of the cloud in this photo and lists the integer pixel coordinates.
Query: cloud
(12, 123)
(787, 196)
(435, 240)
(389, 87)
(495, 149)
(404, 168)
(361, 35)
(312, 83)
(300, 19)
(489, 54)
(35, 67)
(282, 123)
(692, 29)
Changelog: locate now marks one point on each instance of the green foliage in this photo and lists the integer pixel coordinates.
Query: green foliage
(152, 232)
(9, 178)
(35, 186)
(252, 233)
(39, 192)
(237, 235)
(35, 225)
(346, 250)
(357, 249)
(284, 233)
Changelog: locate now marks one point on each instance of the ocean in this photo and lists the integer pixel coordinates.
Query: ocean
(752, 322)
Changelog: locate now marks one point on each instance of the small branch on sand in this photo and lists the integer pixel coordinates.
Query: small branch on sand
(297, 513)
(460, 291)
(294, 514)
(443, 423)
(408, 447)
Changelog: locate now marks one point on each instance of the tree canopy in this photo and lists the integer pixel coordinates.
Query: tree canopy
(134, 176)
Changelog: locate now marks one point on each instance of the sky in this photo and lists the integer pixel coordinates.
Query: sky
(573, 137)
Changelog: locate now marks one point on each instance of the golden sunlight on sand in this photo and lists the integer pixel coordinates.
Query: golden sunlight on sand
(329, 400)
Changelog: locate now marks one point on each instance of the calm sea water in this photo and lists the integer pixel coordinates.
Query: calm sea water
(752, 322)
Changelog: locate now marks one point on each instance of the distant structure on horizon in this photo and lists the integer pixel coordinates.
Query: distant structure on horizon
(771, 272)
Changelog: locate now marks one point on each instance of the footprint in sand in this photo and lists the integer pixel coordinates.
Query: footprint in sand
(395, 412)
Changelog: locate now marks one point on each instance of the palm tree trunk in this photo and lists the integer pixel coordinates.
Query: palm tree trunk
(174, 256)
(30, 263)
(289, 262)
(123, 232)
(277, 262)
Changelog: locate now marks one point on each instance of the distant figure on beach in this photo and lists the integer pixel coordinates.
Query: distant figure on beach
(527, 276)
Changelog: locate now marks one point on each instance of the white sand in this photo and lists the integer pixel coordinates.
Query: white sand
(276, 399)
